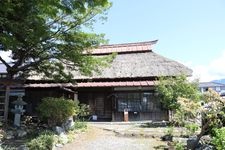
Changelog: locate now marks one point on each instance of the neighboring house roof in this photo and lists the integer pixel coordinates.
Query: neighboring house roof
(210, 84)
(136, 60)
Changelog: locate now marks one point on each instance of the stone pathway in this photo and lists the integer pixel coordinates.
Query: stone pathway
(136, 129)
(100, 139)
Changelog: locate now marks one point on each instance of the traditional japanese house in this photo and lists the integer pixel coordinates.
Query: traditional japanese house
(128, 83)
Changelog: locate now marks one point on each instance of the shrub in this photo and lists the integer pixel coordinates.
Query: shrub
(219, 139)
(169, 131)
(44, 141)
(57, 110)
(191, 128)
(178, 146)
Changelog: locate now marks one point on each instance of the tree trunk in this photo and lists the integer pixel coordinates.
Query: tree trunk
(203, 131)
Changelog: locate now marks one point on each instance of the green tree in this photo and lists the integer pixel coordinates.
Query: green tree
(170, 88)
(46, 36)
(49, 37)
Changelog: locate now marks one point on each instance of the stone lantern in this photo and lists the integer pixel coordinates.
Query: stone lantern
(18, 110)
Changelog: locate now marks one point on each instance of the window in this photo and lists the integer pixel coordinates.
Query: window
(122, 102)
(146, 103)
(140, 102)
(130, 101)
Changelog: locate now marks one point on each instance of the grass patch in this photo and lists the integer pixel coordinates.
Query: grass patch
(79, 125)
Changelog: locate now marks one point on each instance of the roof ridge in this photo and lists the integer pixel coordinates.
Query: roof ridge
(124, 48)
(129, 44)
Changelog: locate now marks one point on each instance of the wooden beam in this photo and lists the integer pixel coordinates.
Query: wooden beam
(6, 103)
(11, 82)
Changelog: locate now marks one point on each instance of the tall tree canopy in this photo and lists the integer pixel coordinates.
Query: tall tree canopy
(47, 35)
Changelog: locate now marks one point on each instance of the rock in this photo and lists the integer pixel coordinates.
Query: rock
(22, 147)
(10, 135)
(21, 133)
(59, 145)
(191, 142)
(69, 123)
(167, 138)
(206, 139)
(64, 138)
(59, 130)
(182, 140)
(206, 147)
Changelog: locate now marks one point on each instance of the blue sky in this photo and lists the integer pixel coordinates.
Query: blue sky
(189, 31)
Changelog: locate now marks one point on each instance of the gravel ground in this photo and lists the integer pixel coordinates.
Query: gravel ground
(99, 139)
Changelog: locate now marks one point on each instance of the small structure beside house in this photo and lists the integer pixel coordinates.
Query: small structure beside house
(126, 84)
(218, 87)
(14, 92)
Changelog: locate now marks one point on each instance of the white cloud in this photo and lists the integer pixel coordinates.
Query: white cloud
(214, 70)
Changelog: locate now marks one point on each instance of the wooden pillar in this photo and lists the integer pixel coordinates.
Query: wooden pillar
(75, 96)
(113, 116)
(6, 109)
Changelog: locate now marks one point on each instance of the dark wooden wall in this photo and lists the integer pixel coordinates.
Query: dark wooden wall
(99, 101)
(102, 102)
(141, 116)
(33, 97)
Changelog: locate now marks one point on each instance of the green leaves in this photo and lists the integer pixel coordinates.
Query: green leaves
(170, 88)
(219, 139)
(46, 33)
(57, 110)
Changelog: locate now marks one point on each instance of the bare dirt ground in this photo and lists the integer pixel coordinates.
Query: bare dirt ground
(99, 139)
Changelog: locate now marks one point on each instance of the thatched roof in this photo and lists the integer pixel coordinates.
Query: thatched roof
(135, 63)
(133, 60)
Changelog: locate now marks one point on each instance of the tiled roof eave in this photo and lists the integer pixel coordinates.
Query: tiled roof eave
(117, 84)
(92, 84)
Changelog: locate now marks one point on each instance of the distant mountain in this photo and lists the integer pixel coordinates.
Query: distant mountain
(219, 81)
